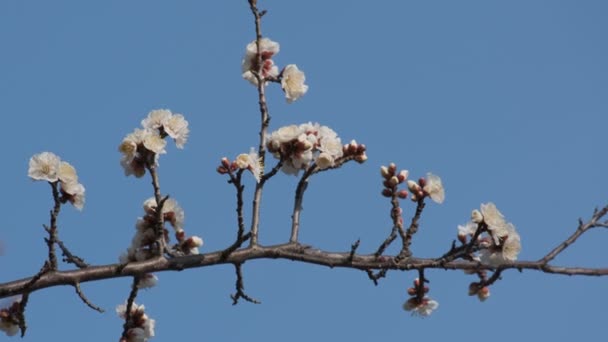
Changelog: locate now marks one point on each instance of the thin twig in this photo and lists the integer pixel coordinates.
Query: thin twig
(130, 301)
(264, 118)
(236, 181)
(52, 239)
(240, 288)
(21, 313)
(85, 299)
(160, 202)
(413, 228)
(297, 205)
(582, 228)
(353, 249)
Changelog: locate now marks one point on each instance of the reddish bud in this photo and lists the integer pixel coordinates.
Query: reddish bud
(402, 194)
(462, 238)
(361, 148)
(411, 291)
(352, 149)
(226, 163)
(221, 170)
(422, 182)
(392, 168)
(387, 192)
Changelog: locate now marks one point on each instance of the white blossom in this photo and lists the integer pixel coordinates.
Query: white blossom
(268, 48)
(299, 146)
(252, 162)
(468, 229)
(75, 193)
(292, 82)
(67, 173)
(177, 128)
(156, 119)
(44, 166)
(424, 308)
(147, 281)
(144, 325)
(492, 217)
(434, 188)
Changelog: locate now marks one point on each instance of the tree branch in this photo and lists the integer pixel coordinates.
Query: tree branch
(294, 252)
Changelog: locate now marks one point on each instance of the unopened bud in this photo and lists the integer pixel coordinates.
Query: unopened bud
(402, 194)
(387, 192)
(226, 163)
(393, 181)
(403, 175)
(361, 158)
(384, 171)
(483, 293)
(221, 170)
(411, 291)
(352, 148)
(413, 186)
(361, 148)
(422, 182)
(462, 238)
(392, 168)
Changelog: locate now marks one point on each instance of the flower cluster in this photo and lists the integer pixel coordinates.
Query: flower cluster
(49, 167)
(292, 79)
(144, 242)
(299, 146)
(141, 326)
(245, 161)
(500, 244)
(9, 321)
(250, 66)
(141, 148)
(419, 304)
(392, 179)
(430, 186)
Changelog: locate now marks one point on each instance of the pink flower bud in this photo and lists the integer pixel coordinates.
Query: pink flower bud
(226, 163)
(403, 175)
(402, 194)
(387, 192)
(392, 168)
(422, 182)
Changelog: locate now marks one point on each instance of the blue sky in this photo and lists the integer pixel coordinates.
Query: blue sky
(506, 101)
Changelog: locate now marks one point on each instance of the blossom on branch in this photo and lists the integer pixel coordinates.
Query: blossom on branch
(250, 161)
(141, 148)
(423, 307)
(44, 166)
(141, 327)
(292, 83)
(300, 146)
(9, 317)
(250, 66)
(500, 243)
(433, 187)
(167, 123)
(49, 167)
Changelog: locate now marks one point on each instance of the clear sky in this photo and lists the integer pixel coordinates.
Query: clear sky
(505, 100)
